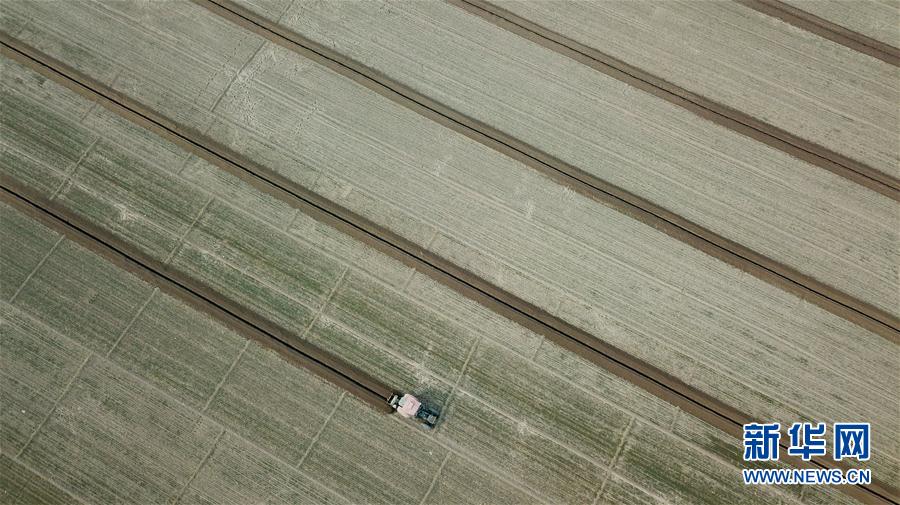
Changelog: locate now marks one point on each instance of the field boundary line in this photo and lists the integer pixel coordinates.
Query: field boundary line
(434, 480)
(225, 376)
(55, 405)
(194, 475)
(35, 269)
(183, 238)
(615, 459)
(131, 322)
(318, 434)
(70, 177)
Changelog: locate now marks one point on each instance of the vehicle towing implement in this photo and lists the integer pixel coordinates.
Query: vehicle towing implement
(409, 406)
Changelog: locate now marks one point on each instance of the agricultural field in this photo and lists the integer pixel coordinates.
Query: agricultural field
(190, 197)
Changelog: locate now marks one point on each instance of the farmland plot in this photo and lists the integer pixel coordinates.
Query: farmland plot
(819, 90)
(279, 411)
(632, 286)
(730, 184)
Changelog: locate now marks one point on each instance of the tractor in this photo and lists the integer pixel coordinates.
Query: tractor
(409, 406)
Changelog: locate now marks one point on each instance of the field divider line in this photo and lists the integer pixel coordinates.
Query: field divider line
(181, 240)
(199, 467)
(291, 221)
(236, 76)
(568, 336)
(131, 322)
(70, 177)
(491, 470)
(612, 463)
(334, 289)
(739, 256)
(321, 430)
(405, 286)
(55, 405)
(437, 475)
(465, 366)
(454, 389)
(225, 376)
(537, 351)
(35, 269)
